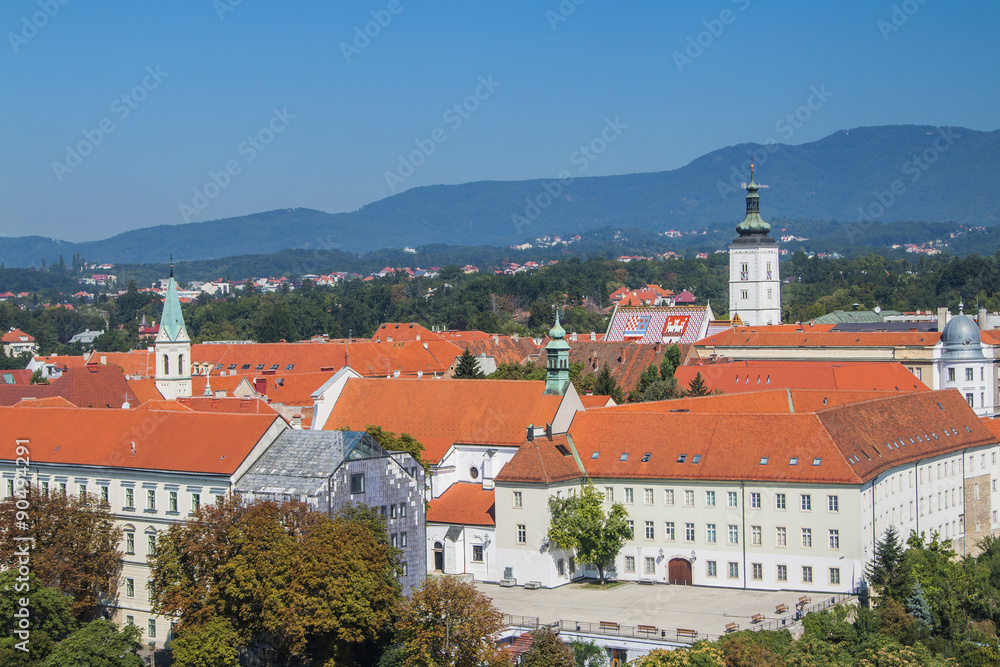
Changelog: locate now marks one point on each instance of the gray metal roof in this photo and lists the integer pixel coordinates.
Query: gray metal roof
(301, 461)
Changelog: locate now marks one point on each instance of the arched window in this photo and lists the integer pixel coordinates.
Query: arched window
(180, 364)
(166, 365)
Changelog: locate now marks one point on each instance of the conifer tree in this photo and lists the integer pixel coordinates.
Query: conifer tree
(468, 367)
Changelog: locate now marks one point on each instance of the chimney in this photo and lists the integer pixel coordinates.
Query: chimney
(572, 337)
(496, 339)
(296, 421)
(982, 320)
(531, 432)
(515, 336)
(943, 315)
(260, 386)
(593, 336)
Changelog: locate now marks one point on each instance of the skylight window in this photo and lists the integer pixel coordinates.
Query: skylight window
(763, 460)
(245, 367)
(259, 367)
(563, 450)
(218, 367)
(817, 460)
(232, 367)
(645, 457)
(696, 459)
(274, 367)
(794, 461)
(941, 406)
(595, 455)
(289, 367)
(968, 429)
(682, 458)
(624, 456)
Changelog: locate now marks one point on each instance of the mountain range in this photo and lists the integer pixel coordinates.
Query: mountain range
(888, 173)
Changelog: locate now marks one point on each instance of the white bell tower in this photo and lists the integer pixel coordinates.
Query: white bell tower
(754, 284)
(172, 347)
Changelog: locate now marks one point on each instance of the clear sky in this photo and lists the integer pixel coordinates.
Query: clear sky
(305, 110)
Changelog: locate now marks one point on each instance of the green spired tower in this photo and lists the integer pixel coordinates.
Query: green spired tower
(557, 360)
(172, 347)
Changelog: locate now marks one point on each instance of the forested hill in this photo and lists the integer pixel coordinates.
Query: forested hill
(893, 173)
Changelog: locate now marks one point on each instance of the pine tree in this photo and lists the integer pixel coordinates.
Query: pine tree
(889, 573)
(917, 606)
(697, 386)
(468, 367)
(607, 385)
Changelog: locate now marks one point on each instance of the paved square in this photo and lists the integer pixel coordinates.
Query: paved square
(703, 609)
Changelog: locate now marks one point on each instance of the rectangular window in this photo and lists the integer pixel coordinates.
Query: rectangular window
(832, 504)
(780, 536)
(710, 533)
(834, 538)
(402, 510)
(62, 489)
(477, 553)
(734, 570)
(650, 565)
(129, 499)
(807, 574)
(731, 499)
(968, 375)
(647, 496)
(807, 502)
(561, 567)
(45, 489)
(631, 528)
(130, 619)
(668, 496)
(951, 375)
(150, 499)
(649, 530)
(710, 499)
(970, 399)
(689, 532)
(392, 511)
(630, 563)
(151, 544)
(755, 500)
(807, 537)
(151, 629)
(689, 498)
(629, 498)
(392, 540)
(782, 573)
(522, 534)
(129, 587)
(779, 501)
(609, 494)
(172, 501)
(83, 492)
(756, 536)
(518, 501)
(358, 483)
(104, 495)
(834, 575)
(402, 540)
(130, 543)
(195, 502)
(712, 568)
(757, 571)
(668, 531)
(734, 534)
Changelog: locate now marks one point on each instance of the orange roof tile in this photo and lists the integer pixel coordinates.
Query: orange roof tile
(817, 337)
(86, 386)
(440, 413)
(464, 504)
(542, 461)
(400, 331)
(597, 401)
(51, 402)
(770, 401)
(182, 441)
(743, 376)
(232, 405)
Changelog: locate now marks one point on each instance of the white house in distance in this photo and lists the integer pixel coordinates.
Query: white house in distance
(17, 342)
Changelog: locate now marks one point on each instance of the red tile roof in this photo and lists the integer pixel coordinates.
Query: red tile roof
(771, 401)
(597, 401)
(231, 405)
(400, 331)
(17, 336)
(744, 376)
(440, 413)
(51, 402)
(804, 336)
(542, 461)
(464, 504)
(850, 440)
(85, 386)
(182, 441)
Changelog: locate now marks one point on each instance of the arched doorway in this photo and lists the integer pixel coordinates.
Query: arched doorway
(439, 557)
(679, 571)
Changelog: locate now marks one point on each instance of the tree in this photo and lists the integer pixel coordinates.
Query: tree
(889, 572)
(404, 442)
(697, 386)
(580, 523)
(468, 367)
(448, 623)
(99, 644)
(548, 650)
(589, 654)
(918, 608)
(51, 611)
(36, 377)
(211, 645)
(701, 654)
(275, 324)
(75, 546)
(607, 385)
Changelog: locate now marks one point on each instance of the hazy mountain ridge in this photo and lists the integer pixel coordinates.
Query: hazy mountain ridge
(846, 176)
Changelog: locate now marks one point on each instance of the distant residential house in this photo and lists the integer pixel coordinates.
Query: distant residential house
(17, 342)
(469, 268)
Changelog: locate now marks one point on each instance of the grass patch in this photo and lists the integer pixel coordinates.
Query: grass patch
(607, 586)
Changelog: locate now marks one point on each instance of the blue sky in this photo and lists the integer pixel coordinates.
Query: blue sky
(225, 108)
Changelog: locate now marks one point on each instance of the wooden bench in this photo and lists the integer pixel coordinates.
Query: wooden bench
(757, 618)
(732, 627)
(647, 582)
(533, 585)
(684, 633)
(610, 625)
(780, 608)
(804, 600)
(508, 583)
(648, 629)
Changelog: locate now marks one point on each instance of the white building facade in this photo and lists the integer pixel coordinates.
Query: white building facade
(754, 282)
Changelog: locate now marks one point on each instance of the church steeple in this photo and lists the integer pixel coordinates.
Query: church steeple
(752, 224)
(172, 346)
(557, 360)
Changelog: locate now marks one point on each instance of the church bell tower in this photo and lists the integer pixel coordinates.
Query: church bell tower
(754, 285)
